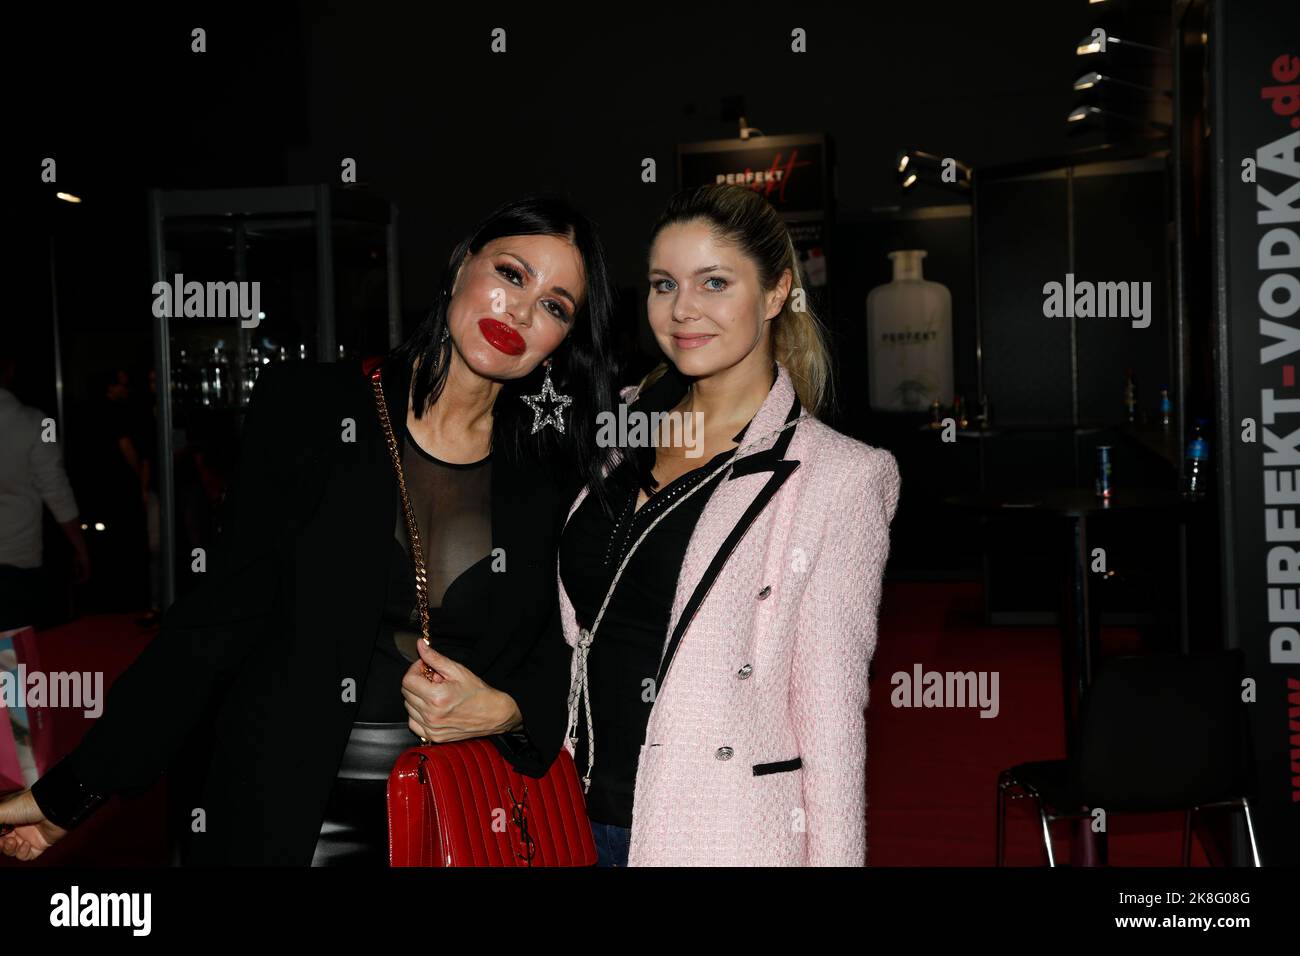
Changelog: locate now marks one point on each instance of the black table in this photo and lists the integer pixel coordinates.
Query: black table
(1080, 631)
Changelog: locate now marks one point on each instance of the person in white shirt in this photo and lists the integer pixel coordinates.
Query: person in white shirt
(31, 476)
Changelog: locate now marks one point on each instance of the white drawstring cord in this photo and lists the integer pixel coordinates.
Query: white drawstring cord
(578, 685)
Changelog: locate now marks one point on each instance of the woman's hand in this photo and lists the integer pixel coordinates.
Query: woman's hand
(447, 701)
(33, 834)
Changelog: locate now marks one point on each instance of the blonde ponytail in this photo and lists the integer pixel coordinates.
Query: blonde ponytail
(799, 341)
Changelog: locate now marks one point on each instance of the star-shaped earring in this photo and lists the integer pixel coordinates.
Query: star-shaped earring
(550, 396)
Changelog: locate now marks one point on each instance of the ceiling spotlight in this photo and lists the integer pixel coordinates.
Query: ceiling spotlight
(1081, 113)
(919, 157)
(944, 171)
(1098, 44)
(1094, 79)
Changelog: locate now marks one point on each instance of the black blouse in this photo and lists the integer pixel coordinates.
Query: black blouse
(453, 511)
(626, 651)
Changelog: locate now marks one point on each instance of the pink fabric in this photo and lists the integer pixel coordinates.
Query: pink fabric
(820, 544)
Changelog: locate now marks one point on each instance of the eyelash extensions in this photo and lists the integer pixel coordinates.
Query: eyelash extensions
(516, 277)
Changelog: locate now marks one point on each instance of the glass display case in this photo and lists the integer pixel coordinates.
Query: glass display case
(244, 278)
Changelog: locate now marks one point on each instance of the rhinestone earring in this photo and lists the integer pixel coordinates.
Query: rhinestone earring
(550, 396)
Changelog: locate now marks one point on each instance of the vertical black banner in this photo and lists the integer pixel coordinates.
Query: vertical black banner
(1256, 130)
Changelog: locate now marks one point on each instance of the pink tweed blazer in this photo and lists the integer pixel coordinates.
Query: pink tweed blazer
(755, 752)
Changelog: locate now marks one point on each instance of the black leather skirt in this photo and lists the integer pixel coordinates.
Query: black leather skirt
(355, 829)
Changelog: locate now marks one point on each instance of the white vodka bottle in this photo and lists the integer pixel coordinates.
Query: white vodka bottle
(909, 339)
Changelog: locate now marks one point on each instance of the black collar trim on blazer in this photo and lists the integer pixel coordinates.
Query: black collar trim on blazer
(766, 460)
(667, 390)
(662, 395)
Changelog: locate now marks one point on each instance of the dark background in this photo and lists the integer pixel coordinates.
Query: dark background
(446, 129)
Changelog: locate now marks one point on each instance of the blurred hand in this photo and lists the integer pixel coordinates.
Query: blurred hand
(447, 701)
(33, 834)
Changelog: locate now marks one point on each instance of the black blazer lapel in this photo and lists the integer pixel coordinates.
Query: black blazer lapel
(771, 461)
(522, 516)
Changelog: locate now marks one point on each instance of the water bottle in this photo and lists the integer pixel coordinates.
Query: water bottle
(1103, 483)
(1196, 464)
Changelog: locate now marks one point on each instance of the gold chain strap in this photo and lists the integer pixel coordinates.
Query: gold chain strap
(412, 529)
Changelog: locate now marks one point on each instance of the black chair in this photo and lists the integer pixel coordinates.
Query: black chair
(1156, 733)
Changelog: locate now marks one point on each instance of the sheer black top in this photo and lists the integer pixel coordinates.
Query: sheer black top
(453, 510)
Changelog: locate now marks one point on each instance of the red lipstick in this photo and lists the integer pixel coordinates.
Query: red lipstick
(502, 337)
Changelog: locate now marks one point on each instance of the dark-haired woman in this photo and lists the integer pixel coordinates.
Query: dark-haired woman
(725, 617)
(304, 637)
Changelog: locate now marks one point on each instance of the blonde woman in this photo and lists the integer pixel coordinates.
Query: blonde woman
(724, 618)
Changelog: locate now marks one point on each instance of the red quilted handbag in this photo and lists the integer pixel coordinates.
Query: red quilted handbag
(461, 803)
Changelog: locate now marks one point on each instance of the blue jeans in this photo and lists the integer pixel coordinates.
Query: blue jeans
(612, 843)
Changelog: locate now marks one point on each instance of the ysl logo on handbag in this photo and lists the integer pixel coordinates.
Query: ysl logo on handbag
(518, 815)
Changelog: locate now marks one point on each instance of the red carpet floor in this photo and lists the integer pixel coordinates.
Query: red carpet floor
(931, 771)
(124, 832)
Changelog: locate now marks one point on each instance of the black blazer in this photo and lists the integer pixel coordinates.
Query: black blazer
(289, 610)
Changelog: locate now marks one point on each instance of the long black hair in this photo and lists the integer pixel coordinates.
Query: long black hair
(581, 366)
